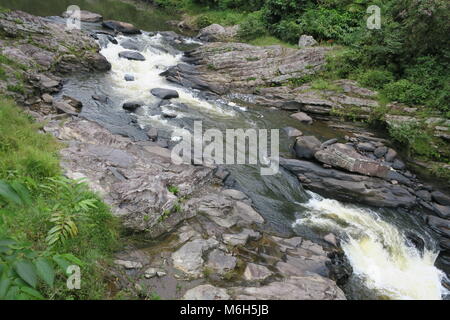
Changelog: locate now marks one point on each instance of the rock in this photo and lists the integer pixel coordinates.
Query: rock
(222, 173)
(131, 106)
(305, 147)
(132, 55)
(189, 257)
(380, 152)
(441, 198)
(100, 98)
(206, 292)
(73, 102)
(47, 98)
(390, 155)
(241, 238)
(130, 45)
(216, 32)
(129, 77)
(442, 211)
(164, 94)
(85, 16)
(254, 272)
(221, 262)
(169, 113)
(302, 117)
(366, 146)
(345, 157)
(349, 187)
(153, 272)
(125, 28)
(441, 226)
(64, 107)
(129, 264)
(424, 195)
(152, 133)
(306, 41)
(247, 213)
(398, 165)
(292, 132)
(331, 239)
(234, 194)
(310, 287)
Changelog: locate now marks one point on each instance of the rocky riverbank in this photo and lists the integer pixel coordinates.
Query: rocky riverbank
(208, 242)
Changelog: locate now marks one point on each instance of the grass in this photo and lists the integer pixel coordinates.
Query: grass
(266, 40)
(30, 159)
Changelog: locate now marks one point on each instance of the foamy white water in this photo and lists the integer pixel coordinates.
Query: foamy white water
(147, 76)
(378, 252)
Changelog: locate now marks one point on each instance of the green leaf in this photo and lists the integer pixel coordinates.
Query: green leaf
(26, 271)
(61, 262)
(22, 192)
(7, 193)
(70, 257)
(45, 271)
(5, 282)
(32, 293)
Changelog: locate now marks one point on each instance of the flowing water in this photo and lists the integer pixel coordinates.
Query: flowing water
(386, 264)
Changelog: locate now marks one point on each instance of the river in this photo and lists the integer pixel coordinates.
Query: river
(386, 264)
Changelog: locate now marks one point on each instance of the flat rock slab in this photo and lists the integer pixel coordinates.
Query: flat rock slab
(221, 262)
(189, 257)
(132, 55)
(164, 94)
(255, 272)
(206, 292)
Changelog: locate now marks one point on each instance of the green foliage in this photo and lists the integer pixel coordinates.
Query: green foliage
(173, 189)
(414, 137)
(376, 79)
(202, 21)
(405, 91)
(252, 27)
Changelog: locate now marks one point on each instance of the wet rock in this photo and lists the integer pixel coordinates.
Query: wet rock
(234, 194)
(305, 147)
(424, 195)
(132, 55)
(64, 107)
(85, 16)
(125, 28)
(441, 211)
(222, 173)
(331, 239)
(366, 146)
(100, 98)
(206, 292)
(189, 258)
(164, 94)
(131, 106)
(302, 117)
(312, 287)
(129, 264)
(129, 77)
(349, 187)
(47, 98)
(306, 41)
(292, 132)
(441, 198)
(328, 143)
(255, 272)
(380, 151)
(441, 226)
(240, 238)
(130, 45)
(73, 102)
(169, 113)
(152, 133)
(221, 262)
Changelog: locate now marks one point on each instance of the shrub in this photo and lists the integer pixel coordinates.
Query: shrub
(376, 79)
(252, 27)
(405, 91)
(202, 21)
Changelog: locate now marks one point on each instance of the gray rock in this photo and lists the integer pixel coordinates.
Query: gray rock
(306, 41)
(311, 287)
(424, 195)
(152, 133)
(129, 77)
(125, 28)
(254, 272)
(100, 98)
(292, 132)
(247, 213)
(132, 55)
(331, 239)
(131, 106)
(153, 272)
(164, 94)
(441, 226)
(47, 98)
(241, 238)
(391, 155)
(216, 32)
(234, 194)
(302, 117)
(189, 258)
(380, 151)
(130, 45)
(129, 264)
(64, 107)
(366, 146)
(206, 292)
(398, 165)
(441, 198)
(305, 147)
(220, 261)
(442, 211)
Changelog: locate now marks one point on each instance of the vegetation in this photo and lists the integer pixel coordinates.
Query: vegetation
(47, 222)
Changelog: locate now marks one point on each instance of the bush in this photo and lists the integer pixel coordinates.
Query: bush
(405, 91)
(202, 21)
(376, 79)
(414, 137)
(252, 27)
(287, 30)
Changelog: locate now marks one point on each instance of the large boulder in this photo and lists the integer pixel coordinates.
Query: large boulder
(119, 26)
(85, 16)
(132, 55)
(302, 117)
(305, 147)
(216, 32)
(344, 156)
(306, 41)
(349, 187)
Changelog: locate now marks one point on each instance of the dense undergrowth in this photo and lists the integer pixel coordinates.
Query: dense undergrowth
(47, 222)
